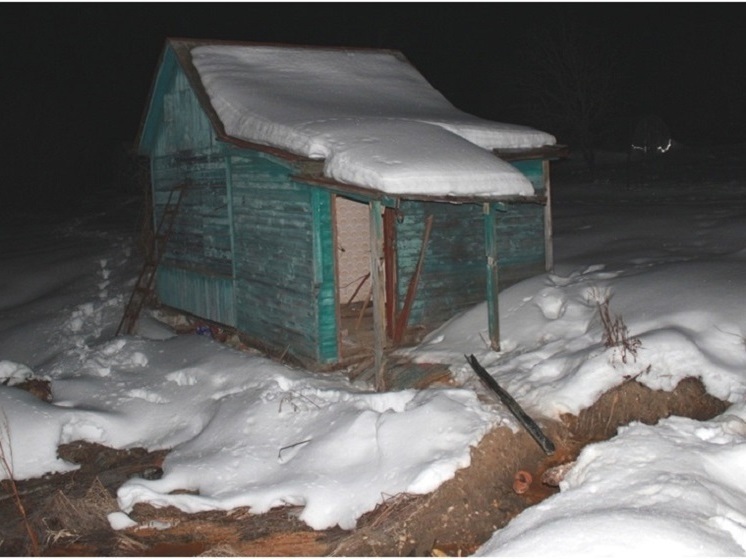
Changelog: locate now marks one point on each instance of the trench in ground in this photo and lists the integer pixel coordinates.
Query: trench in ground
(68, 512)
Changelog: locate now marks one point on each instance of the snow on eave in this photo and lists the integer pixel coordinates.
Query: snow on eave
(180, 50)
(182, 47)
(368, 193)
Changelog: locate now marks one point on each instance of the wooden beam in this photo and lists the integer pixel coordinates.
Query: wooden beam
(544, 152)
(548, 233)
(365, 193)
(389, 250)
(523, 418)
(490, 243)
(377, 274)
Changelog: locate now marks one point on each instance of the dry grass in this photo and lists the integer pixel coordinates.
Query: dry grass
(391, 505)
(615, 331)
(65, 519)
(221, 550)
(80, 515)
(54, 537)
(6, 462)
(127, 546)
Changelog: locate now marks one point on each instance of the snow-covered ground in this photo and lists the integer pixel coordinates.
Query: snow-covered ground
(247, 431)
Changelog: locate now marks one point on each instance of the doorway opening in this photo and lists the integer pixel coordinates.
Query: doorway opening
(354, 283)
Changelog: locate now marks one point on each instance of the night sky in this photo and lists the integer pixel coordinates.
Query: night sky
(76, 76)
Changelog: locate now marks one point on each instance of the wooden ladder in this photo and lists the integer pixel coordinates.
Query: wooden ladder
(143, 290)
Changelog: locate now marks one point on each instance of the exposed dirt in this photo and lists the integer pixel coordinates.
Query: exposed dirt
(68, 512)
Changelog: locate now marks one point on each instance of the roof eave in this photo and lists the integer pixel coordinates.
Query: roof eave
(388, 198)
(549, 152)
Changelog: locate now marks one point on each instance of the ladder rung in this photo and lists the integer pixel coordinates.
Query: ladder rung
(143, 288)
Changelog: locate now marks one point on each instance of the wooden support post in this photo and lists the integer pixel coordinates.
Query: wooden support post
(490, 243)
(548, 235)
(378, 286)
(389, 251)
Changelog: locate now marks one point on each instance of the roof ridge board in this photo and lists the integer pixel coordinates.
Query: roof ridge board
(190, 43)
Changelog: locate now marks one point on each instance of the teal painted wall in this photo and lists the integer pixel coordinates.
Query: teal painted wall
(520, 242)
(207, 296)
(533, 170)
(285, 284)
(521, 235)
(196, 271)
(454, 275)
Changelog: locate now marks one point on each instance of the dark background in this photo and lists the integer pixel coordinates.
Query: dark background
(75, 77)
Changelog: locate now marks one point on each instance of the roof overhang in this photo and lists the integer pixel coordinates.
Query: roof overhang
(389, 199)
(176, 53)
(550, 153)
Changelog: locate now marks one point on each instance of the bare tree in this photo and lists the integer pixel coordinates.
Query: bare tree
(569, 82)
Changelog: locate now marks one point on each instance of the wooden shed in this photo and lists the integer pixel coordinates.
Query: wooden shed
(316, 269)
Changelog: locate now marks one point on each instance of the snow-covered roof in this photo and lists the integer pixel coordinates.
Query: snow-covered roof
(374, 120)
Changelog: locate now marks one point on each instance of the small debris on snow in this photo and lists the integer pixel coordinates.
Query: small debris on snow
(553, 476)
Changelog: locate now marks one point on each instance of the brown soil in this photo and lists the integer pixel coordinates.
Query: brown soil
(68, 512)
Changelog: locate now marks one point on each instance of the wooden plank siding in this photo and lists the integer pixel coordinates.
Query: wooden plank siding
(204, 296)
(453, 276)
(533, 170)
(200, 239)
(520, 242)
(196, 272)
(537, 171)
(284, 267)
